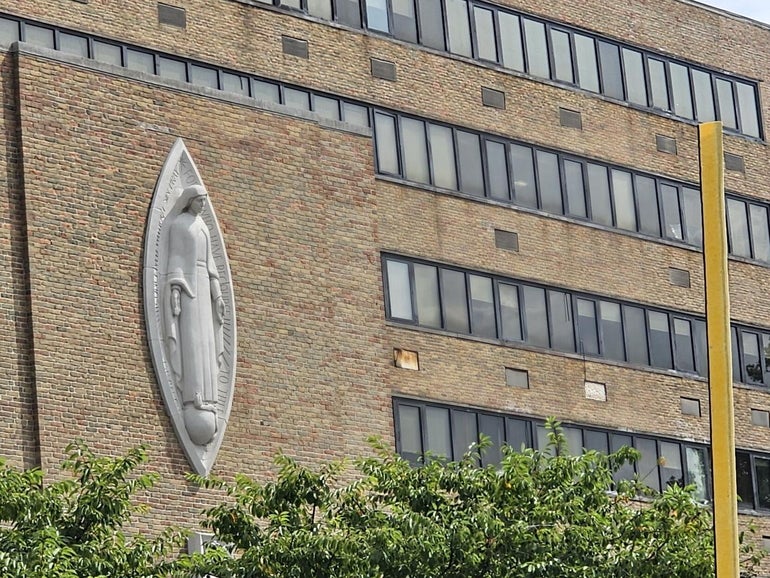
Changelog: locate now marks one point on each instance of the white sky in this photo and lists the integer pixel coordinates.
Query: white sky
(756, 9)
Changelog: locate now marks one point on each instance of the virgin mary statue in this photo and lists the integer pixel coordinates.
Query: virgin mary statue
(194, 312)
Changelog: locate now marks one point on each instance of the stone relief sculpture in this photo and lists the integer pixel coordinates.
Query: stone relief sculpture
(189, 309)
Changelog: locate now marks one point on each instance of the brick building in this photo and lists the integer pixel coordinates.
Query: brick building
(507, 190)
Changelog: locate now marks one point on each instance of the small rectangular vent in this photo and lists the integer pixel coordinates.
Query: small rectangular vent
(679, 277)
(492, 97)
(383, 69)
(172, 15)
(516, 378)
(294, 46)
(665, 144)
(570, 118)
(506, 240)
(760, 417)
(689, 406)
(734, 163)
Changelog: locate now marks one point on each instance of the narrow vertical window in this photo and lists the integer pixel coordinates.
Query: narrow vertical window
(493, 427)
(524, 189)
(404, 20)
(518, 434)
(672, 218)
(680, 88)
(438, 435)
(660, 340)
(634, 71)
(560, 320)
(415, 150)
(587, 68)
(409, 432)
(743, 477)
(426, 295)
(485, 34)
(626, 471)
(537, 49)
(696, 471)
(431, 24)
(683, 346)
(320, 8)
(658, 84)
(385, 140)
(349, 13)
(377, 15)
(596, 440)
(471, 172)
(588, 337)
(704, 96)
(497, 170)
(738, 227)
(762, 476)
(726, 103)
(510, 316)
(636, 335)
(752, 367)
(759, 233)
(736, 358)
(455, 301)
(573, 179)
(612, 79)
(747, 107)
(465, 432)
(599, 194)
(623, 195)
(482, 307)
(701, 347)
(549, 183)
(9, 31)
(562, 56)
(693, 216)
(535, 316)
(647, 199)
(612, 330)
(458, 27)
(510, 41)
(647, 466)
(442, 156)
(399, 290)
(766, 356)
(671, 471)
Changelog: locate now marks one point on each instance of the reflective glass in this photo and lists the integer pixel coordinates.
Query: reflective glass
(574, 439)
(385, 138)
(108, 53)
(762, 476)
(587, 68)
(427, 295)
(438, 438)
(623, 196)
(399, 290)
(671, 471)
(535, 316)
(355, 114)
(72, 44)
(693, 216)
(518, 434)
(524, 188)
(672, 218)
(471, 172)
(745, 485)
(766, 356)
(696, 472)
(410, 436)
(140, 61)
(509, 312)
(612, 80)
(647, 199)
(537, 50)
(266, 91)
(510, 41)
(235, 83)
(549, 183)
(415, 150)
(634, 71)
(172, 69)
(38, 35)
(404, 20)
(599, 194)
(752, 365)
(683, 346)
(320, 8)
(560, 320)
(485, 34)
(562, 56)
(458, 27)
(704, 96)
(295, 4)
(726, 103)
(482, 306)
(680, 88)
(647, 466)
(759, 232)
(431, 24)
(658, 86)
(701, 347)
(464, 432)
(497, 170)
(203, 76)
(596, 440)
(442, 154)
(617, 441)
(747, 106)
(573, 179)
(294, 98)
(587, 333)
(349, 12)
(738, 226)
(326, 107)
(660, 340)
(9, 31)
(377, 15)
(455, 301)
(612, 330)
(636, 335)
(735, 357)
(494, 428)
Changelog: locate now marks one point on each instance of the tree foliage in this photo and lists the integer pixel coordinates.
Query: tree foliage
(537, 514)
(73, 528)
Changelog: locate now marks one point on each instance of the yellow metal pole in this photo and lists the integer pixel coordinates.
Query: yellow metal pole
(720, 363)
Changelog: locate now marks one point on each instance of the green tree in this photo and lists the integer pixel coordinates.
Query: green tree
(537, 514)
(73, 528)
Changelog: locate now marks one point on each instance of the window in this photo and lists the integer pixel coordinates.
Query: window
(672, 218)
(587, 68)
(562, 56)
(747, 106)
(140, 61)
(320, 8)
(612, 79)
(399, 290)
(404, 20)
(77, 45)
(658, 84)
(107, 53)
(560, 319)
(482, 307)
(612, 330)
(349, 12)
(536, 47)
(599, 193)
(497, 170)
(738, 227)
(647, 201)
(415, 150)
(726, 103)
(623, 199)
(427, 295)
(326, 107)
(266, 91)
(458, 27)
(573, 179)
(510, 315)
(636, 335)
(680, 88)
(588, 338)
(172, 69)
(455, 301)
(510, 41)
(377, 15)
(442, 156)
(431, 24)
(634, 71)
(760, 234)
(535, 317)
(525, 192)
(549, 183)
(469, 157)
(486, 48)
(387, 150)
(660, 340)
(204, 76)
(294, 98)
(9, 31)
(704, 96)
(683, 345)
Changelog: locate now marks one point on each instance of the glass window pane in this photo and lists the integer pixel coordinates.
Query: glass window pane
(410, 435)
(751, 364)
(399, 290)
(738, 226)
(427, 295)
(404, 20)
(431, 24)
(326, 107)
(464, 432)
(636, 335)
(172, 69)
(72, 44)
(701, 347)
(747, 105)
(704, 96)
(573, 179)
(596, 440)
(647, 466)
(693, 216)
(9, 31)
(509, 312)
(510, 41)
(320, 8)
(587, 333)
(626, 472)
(634, 70)
(294, 98)
(541, 435)
(455, 301)
(549, 183)
(524, 189)
(683, 345)
(38, 35)
(759, 232)
(349, 12)
(680, 88)
(518, 434)
(537, 50)
(671, 464)
(355, 114)
(203, 76)
(497, 170)
(108, 53)
(415, 150)
(736, 358)
(235, 83)
(612, 80)
(762, 473)
(442, 156)
(266, 91)
(295, 4)
(562, 56)
(599, 194)
(766, 355)
(696, 472)
(471, 173)
(385, 139)
(377, 15)
(726, 104)
(438, 439)
(458, 27)
(492, 427)
(574, 439)
(535, 316)
(485, 34)
(612, 330)
(660, 340)
(623, 196)
(658, 86)
(482, 307)
(588, 70)
(745, 485)
(140, 61)
(672, 219)
(560, 321)
(647, 199)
